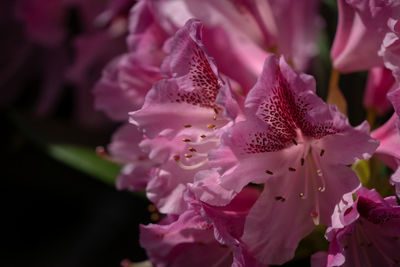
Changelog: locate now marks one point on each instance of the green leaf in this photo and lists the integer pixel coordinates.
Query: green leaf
(362, 169)
(85, 160)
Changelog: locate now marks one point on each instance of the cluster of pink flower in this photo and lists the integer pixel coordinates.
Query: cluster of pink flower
(232, 143)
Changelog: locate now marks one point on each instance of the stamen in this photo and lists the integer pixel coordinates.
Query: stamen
(215, 111)
(191, 167)
(203, 136)
(291, 169)
(187, 125)
(315, 216)
(210, 126)
(214, 117)
(294, 142)
(322, 153)
(319, 173)
(302, 161)
(192, 149)
(188, 156)
(202, 154)
(101, 152)
(301, 195)
(280, 198)
(205, 141)
(269, 172)
(185, 139)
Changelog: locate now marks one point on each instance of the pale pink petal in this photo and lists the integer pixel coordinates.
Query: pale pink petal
(390, 48)
(179, 242)
(361, 29)
(389, 137)
(123, 87)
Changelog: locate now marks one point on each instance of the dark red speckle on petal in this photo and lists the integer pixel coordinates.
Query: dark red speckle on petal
(284, 112)
(206, 84)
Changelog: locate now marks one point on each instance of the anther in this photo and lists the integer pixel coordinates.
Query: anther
(322, 153)
(185, 139)
(301, 195)
(151, 208)
(177, 158)
(210, 126)
(294, 142)
(280, 198)
(315, 216)
(269, 172)
(188, 156)
(292, 169)
(192, 149)
(319, 172)
(216, 111)
(302, 161)
(203, 136)
(155, 217)
(187, 125)
(320, 189)
(214, 117)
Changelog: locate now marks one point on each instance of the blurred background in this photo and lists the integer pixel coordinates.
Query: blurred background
(59, 202)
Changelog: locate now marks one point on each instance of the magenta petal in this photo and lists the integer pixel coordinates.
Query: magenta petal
(178, 243)
(123, 87)
(390, 48)
(389, 137)
(395, 180)
(380, 82)
(270, 216)
(361, 30)
(207, 188)
(319, 259)
(369, 239)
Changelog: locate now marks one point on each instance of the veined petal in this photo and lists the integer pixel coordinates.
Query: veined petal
(270, 217)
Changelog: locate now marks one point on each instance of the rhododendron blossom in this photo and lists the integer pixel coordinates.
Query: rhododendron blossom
(298, 147)
(189, 110)
(230, 140)
(389, 137)
(365, 232)
(210, 233)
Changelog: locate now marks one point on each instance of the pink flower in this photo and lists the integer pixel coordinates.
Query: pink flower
(211, 235)
(299, 148)
(127, 78)
(360, 32)
(365, 232)
(124, 148)
(283, 27)
(390, 48)
(380, 82)
(187, 113)
(389, 137)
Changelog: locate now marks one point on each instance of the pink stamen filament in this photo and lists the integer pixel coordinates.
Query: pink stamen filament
(190, 167)
(319, 171)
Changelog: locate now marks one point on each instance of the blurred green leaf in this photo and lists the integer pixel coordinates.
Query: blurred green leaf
(81, 158)
(363, 171)
(332, 4)
(85, 160)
